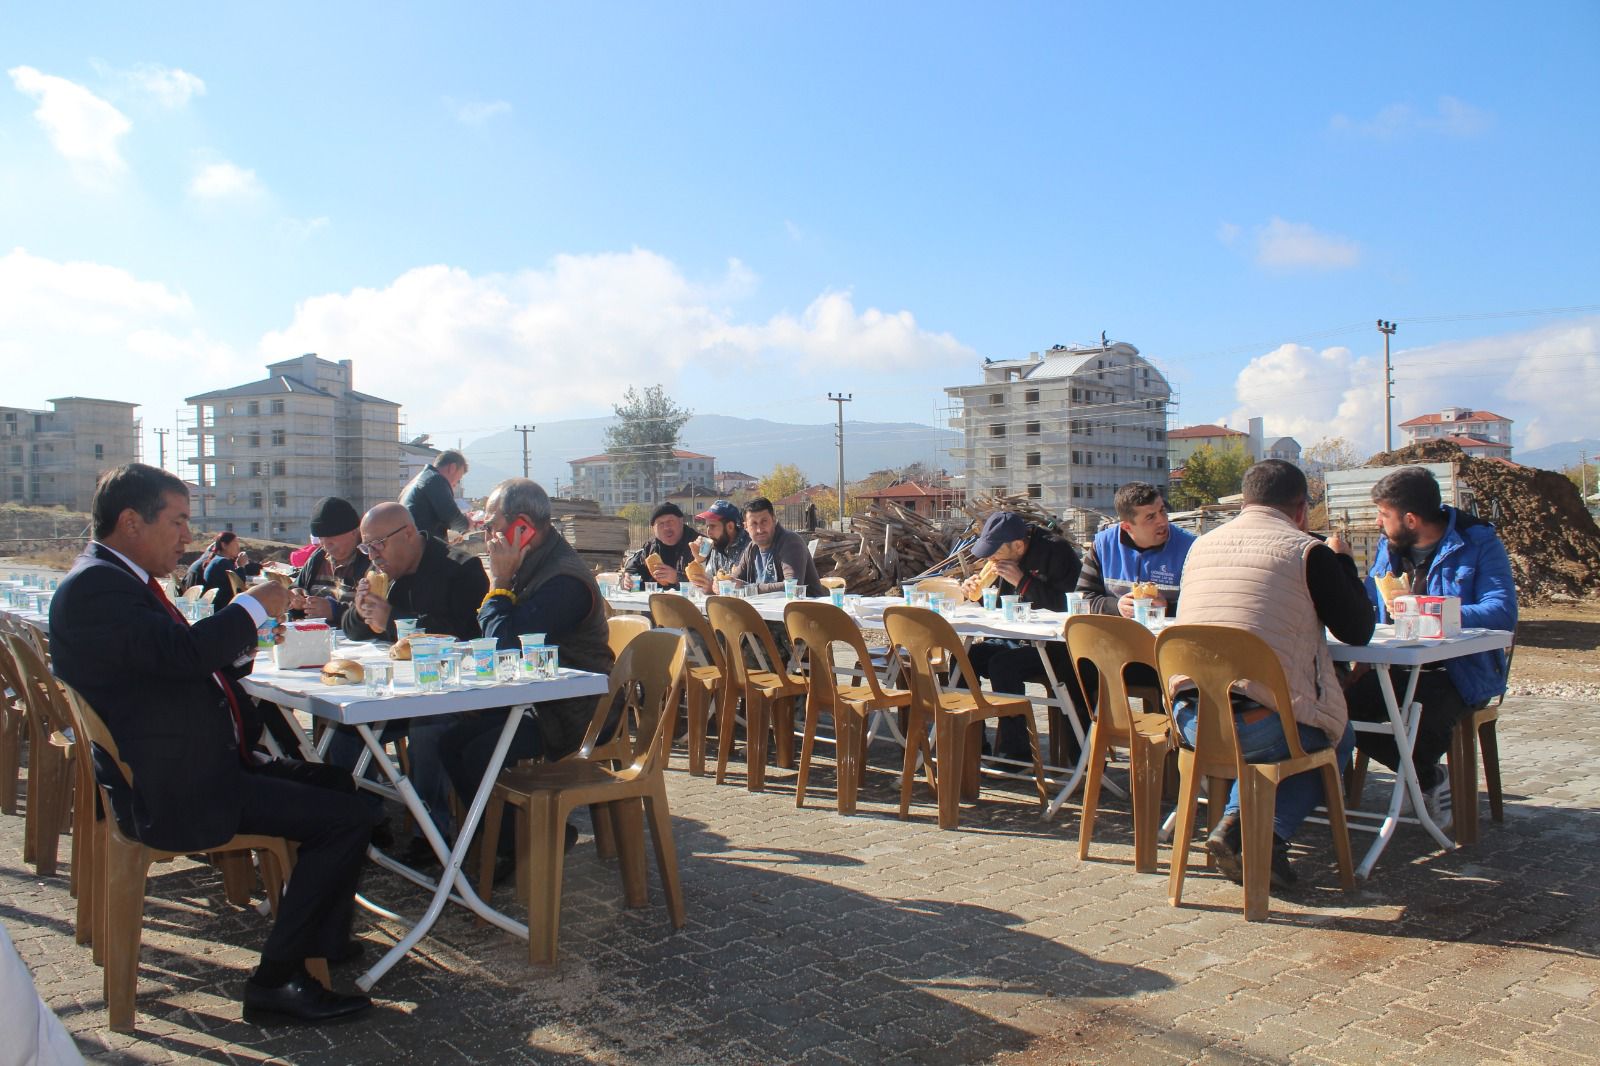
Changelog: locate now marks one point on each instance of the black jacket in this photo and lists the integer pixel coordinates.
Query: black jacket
(307, 580)
(432, 503)
(676, 556)
(443, 595)
(1050, 568)
(149, 677)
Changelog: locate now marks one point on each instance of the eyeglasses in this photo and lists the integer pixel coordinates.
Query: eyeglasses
(367, 547)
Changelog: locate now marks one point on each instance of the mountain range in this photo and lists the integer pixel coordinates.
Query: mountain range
(751, 445)
(1559, 456)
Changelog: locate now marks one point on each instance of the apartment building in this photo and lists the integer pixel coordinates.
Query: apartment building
(1064, 428)
(264, 453)
(1481, 434)
(54, 458)
(598, 478)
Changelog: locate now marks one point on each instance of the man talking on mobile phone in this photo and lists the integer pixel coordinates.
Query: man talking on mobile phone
(537, 585)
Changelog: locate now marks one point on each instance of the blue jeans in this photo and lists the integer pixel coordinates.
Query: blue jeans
(1264, 741)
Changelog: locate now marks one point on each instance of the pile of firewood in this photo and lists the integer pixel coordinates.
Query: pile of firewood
(889, 545)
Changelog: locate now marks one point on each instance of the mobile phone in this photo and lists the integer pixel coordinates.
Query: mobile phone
(520, 533)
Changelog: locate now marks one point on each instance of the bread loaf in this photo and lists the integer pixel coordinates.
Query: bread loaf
(694, 571)
(343, 672)
(652, 562)
(986, 577)
(377, 583)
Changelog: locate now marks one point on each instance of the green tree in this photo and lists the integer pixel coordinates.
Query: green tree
(643, 437)
(1210, 474)
(1586, 477)
(785, 480)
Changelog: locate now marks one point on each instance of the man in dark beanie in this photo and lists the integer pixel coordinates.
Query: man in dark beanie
(327, 582)
(665, 554)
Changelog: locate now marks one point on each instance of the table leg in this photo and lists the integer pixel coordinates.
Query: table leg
(1063, 700)
(452, 882)
(1403, 724)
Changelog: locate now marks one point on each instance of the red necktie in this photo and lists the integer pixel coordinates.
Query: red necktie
(222, 682)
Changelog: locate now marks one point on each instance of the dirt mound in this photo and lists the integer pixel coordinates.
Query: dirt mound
(1552, 539)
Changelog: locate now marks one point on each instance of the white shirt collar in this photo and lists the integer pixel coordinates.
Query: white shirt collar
(140, 572)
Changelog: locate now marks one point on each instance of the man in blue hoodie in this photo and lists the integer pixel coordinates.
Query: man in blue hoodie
(1442, 552)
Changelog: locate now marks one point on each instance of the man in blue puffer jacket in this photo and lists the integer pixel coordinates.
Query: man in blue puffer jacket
(1443, 552)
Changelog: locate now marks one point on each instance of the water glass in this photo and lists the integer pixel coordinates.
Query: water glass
(380, 678)
(507, 665)
(725, 587)
(483, 659)
(1008, 608)
(549, 661)
(909, 591)
(404, 627)
(835, 597)
(991, 598)
(425, 667)
(852, 603)
(531, 643)
(449, 667)
(791, 588)
(651, 588)
(1075, 604)
(1024, 611)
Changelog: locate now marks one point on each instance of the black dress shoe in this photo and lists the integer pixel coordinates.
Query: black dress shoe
(1223, 845)
(382, 835)
(300, 999)
(419, 855)
(1283, 875)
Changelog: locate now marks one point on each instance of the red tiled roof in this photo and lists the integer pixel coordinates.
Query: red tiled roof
(677, 453)
(1469, 416)
(1190, 432)
(1472, 440)
(910, 489)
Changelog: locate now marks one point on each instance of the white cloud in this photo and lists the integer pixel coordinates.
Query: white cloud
(479, 112)
(225, 181)
(76, 297)
(84, 128)
(299, 230)
(574, 335)
(1451, 118)
(170, 87)
(1543, 379)
(1227, 233)
(1283, 245)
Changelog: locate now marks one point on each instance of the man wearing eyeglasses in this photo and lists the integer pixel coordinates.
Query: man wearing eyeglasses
(438, 586)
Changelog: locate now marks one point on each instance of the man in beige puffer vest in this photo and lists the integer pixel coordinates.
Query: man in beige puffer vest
(1264, 573)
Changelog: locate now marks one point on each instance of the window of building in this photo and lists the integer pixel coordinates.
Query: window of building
(16, 487)
(16, 454)
(255, 503)
(255, 527)
(233, 470)
(280, 501)
(996, 399)
(997, 462)
(278, 438)
(253, 408)
(280, 468)
(255, 469)
(1077, 458)
(1035, 459)
(99, 451)
(997, 430)
(254, 440)
(1161, 462)
(1035, 491)
(281, 527)
(277, 407)
(1077, 492)
(1031, 396)
(1031, 429)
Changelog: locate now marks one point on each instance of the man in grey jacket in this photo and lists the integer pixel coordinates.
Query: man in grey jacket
(775, 555)
(431, 496)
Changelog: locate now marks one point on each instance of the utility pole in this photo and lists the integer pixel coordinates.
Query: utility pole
(1387, 329)
(840, 400)
(1583, 477)
(161, 435)
(524, 430)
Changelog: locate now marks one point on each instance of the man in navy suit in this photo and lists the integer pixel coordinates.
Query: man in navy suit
(166, 691)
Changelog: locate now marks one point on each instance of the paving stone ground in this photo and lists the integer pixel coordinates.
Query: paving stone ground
(814, 938)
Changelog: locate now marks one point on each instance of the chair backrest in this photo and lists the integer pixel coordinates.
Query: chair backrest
(1217, 659)
(235, 582)
(46, 702)
(819, 626)
(672, 611)
(1111, 643)
(622, 628)
(929, 642)
(741, 627)
(209, 595)
(192, 593)
(942, 586)
(648, 681)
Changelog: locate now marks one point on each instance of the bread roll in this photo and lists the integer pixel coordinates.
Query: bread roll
(343, 672)
(694, 571)
(986, 577)
(652, 561)
(1144, 590)
(832, 582)
(378, 583)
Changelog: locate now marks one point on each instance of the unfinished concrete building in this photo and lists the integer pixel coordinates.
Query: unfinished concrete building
(54, 458)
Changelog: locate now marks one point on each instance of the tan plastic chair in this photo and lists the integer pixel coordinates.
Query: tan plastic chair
(1112, 643)
(704, 686)
(943, 586)
(1473, 732)
(622, 628)
(13, 721)
(649, 677)
(122, 866)
(236, 582)
(50, 777)
(1216, 659)
(192, 593)
(957, 715)
(740, 628)
(820, 626)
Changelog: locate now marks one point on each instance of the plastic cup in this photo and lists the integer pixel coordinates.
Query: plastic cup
(483, 659)
(449, 667)
(1024, 611)
(425, 667)
(852, 603)
(266, 635)
(909, 592)
(531, 643)
(991, 598)
(507, 665)
(404, 627)
(725, 587)
(791, 588)
(651, 588)
(835, 596)
(1075, 603)
(380, 678)
(549, 661)
(1141, 610)
(1008, 608)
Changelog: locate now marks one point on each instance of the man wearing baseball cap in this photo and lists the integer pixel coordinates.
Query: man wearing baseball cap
(1040, 568)
(326, 583)
(722, 541)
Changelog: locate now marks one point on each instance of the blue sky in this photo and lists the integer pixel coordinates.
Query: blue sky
(511, 213)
